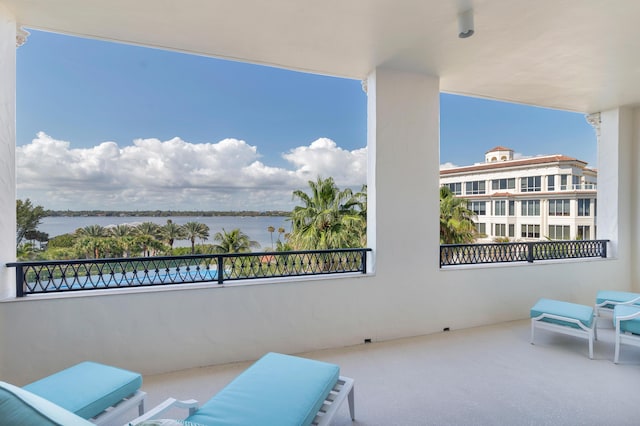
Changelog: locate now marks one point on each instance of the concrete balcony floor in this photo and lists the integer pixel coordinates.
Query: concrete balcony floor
(487, 375)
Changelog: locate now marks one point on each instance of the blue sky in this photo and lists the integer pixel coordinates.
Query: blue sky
(103, 125)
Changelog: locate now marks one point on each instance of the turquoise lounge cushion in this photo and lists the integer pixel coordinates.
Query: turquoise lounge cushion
(88, 388)
(278, 390)
(20, 407)
(631, 325)
(582, 313)
(615, 296)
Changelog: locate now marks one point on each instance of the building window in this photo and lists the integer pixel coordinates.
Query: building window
(512, 230)
(530, 184)
(563, 182)
(530, 231)
(476, 187)
(499, 208)
(551, 183)
(559, 232)
(456, 188)
(575, 180)
(559, 208)
(583, 233)
(501, 230)
(481, 228)
(512, 208)
(584, 207)
(530, 208)
(498, 184)
(478, 207)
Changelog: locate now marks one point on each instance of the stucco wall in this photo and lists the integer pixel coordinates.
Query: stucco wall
(7, 145)
(155, 331)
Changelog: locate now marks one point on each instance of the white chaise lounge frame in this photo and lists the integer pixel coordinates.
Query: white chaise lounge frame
(116, 411)
(583, 331)
(601, 307)
(343, 389)
(626, 338)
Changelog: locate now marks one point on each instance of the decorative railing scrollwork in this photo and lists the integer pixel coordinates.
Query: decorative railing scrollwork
(472, 254)
(99, 274)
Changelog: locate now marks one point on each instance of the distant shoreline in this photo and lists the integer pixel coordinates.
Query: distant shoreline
(162, 213)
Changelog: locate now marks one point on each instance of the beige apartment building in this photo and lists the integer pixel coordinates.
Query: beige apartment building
(547, 197)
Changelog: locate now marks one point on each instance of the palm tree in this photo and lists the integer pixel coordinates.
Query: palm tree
(271, 230)
(456, 220)
(124, 235)
(122, 230)
(359, 203)
(146, 233)
(90, 237)
(195, 230)
(234, 241)
(171, 232)
(330, 218)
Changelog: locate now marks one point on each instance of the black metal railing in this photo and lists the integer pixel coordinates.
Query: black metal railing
(92, 274)
(471, 254)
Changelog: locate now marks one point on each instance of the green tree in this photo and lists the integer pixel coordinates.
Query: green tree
(28, 218)
(26, 251)
(171, 232)
(234, 241)
(271, 230)
(62, 241)
(456, 220)
(146, 234)
(125, 236)
(195, 230)
(89, 240)
(120, 231)
(329, 217)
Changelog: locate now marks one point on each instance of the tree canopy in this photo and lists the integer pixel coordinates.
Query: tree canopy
(329, 217)
(28, 218)
(456, 220)
(234, 241)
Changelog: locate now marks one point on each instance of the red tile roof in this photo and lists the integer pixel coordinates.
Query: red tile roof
(499, 148)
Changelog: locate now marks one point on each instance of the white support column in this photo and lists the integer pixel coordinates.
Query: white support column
(403, 176)
(634, 194)
(7, 151)
(616, 186)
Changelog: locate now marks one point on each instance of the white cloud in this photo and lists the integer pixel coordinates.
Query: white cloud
(175, 174)
(447, 165)
(324, 158)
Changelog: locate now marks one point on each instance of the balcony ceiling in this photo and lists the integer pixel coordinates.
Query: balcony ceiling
(579, 55)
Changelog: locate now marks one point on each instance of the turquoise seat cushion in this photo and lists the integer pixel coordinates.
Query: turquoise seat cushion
(278, 390)
(582, 313)
(88, 388)
(20, 407)
(631, 325)
(615, 296)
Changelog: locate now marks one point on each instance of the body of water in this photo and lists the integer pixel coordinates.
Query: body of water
(254, 226)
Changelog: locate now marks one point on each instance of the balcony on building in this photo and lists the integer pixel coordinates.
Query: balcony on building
(572, 55)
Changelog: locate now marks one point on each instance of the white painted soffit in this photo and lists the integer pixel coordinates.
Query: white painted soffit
(578, 55)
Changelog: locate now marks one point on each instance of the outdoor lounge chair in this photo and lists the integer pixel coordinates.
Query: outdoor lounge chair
(93, 391)
(85, 394)
(566, 318)
(606, 300)
(20, 407)
(627, 322)
(277, 390)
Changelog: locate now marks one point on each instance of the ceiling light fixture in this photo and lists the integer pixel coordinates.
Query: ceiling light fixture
(465, 24)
